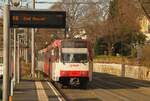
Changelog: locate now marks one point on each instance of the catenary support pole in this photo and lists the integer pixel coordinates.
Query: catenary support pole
(6, 36)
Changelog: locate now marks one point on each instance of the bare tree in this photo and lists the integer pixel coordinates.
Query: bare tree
(82, 12)
(95, 19)
(82, 15)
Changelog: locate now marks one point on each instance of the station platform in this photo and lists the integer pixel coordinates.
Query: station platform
(35, 90)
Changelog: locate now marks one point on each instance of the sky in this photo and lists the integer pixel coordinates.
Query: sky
(44, 6)
(37, 5)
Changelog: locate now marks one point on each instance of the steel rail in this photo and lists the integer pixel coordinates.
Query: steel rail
(57, 86)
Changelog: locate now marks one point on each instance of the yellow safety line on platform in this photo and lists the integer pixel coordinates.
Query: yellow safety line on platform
(41, 92)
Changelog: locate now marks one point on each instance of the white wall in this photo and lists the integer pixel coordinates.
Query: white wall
(137, 72)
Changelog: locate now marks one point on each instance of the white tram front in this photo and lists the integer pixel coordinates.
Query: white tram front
(69, 62)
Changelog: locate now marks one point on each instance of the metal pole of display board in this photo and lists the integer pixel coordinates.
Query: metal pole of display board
(6, 35)
(26, 50)
(15, 38)
(18, 59)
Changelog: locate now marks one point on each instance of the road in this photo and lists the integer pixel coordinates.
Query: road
(105, 87)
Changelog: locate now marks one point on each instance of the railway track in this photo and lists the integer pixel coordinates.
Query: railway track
(58, 87)
(106, 87)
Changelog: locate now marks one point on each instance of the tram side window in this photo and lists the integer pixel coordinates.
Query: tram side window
(56, 53)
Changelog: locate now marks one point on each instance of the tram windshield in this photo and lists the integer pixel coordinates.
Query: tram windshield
(74, 58)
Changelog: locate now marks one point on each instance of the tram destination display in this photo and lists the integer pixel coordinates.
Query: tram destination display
(74, 44)
(37, 19)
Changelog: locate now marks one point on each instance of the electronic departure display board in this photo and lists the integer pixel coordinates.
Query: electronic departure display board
(37, 19)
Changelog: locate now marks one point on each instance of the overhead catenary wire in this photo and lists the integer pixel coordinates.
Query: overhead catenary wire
(69, 3)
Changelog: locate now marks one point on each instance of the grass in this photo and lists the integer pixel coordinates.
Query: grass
(38, 76)
(121, 59)
(25, 75)
(117, 60)
(104, 58)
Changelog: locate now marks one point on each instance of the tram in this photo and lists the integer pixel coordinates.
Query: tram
(67, 61)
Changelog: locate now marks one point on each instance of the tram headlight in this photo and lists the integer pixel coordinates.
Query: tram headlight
(84, 73)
